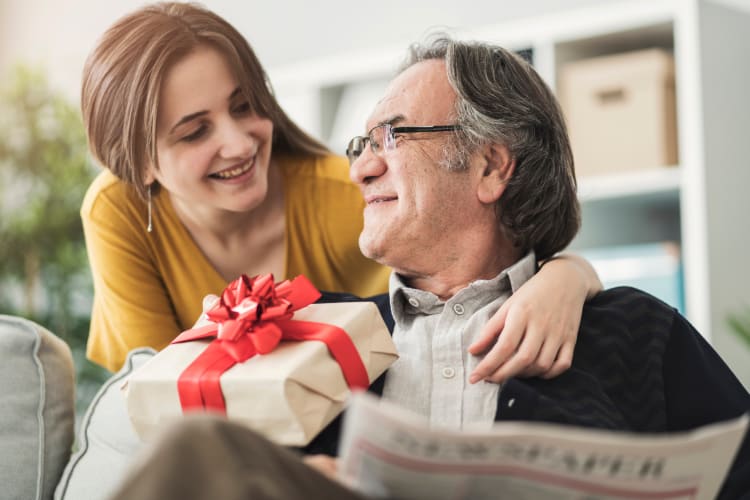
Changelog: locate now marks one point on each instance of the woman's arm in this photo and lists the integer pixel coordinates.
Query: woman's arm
(535, 331)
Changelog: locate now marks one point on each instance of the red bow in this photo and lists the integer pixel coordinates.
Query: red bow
(252, 316)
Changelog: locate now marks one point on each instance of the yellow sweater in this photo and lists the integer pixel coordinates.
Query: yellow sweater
(149, 286)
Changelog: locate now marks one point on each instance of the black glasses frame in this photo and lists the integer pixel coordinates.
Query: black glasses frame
(358, 143)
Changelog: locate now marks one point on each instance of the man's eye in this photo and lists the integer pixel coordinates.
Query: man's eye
(195, 135)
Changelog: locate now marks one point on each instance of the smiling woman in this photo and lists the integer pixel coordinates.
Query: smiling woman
(206, 178)
(177, 108)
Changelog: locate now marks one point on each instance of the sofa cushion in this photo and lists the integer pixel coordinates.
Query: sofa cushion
(106, 441)
(37, 409)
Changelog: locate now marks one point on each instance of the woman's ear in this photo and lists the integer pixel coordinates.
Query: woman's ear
(148, 176)
(499, 166)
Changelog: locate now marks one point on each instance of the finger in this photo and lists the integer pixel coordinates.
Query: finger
(494, 359)
(490, 331)
(563, 362)
(545, 358)
(524, 356)
(504, 348)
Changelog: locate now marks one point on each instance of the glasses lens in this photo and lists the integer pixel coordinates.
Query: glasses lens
(355, 148)
(381, 138)
(376, 139)
(389, 140)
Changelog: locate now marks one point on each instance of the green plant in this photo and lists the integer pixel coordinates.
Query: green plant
(740, 323)
(44, 173)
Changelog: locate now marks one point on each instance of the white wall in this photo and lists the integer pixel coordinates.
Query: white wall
(58, 35)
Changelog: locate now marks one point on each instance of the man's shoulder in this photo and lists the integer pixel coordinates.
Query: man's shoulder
(616, 380)
(626, 320)
(629, 303)
(381, 300)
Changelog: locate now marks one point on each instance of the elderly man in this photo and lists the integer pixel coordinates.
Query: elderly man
(467, 153)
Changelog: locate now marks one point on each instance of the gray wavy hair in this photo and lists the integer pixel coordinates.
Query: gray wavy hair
(502, 100)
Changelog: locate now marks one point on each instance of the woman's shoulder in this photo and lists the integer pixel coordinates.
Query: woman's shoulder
(328, 169)
(322, 182)
(107, 194)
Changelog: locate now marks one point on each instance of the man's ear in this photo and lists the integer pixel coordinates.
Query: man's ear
(499, 166)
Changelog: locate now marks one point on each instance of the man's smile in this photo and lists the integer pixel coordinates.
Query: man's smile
(375, 199)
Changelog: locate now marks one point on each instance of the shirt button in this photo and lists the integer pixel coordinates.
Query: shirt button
(458, 309)
(414, 302)
(448, 372)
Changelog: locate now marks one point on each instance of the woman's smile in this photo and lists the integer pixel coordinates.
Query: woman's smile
(236, 172)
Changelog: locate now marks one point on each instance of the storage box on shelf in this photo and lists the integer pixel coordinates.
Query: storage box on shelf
(620, 111)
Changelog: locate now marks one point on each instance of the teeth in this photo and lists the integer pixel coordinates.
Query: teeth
(228, 174)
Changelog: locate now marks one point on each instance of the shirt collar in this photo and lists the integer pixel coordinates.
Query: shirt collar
(403, 297)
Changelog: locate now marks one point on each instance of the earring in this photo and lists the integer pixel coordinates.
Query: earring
(150, 226)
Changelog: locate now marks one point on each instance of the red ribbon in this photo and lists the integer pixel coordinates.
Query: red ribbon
(252, 316)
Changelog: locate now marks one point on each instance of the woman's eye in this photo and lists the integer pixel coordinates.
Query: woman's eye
(195, 135)
(241, 108)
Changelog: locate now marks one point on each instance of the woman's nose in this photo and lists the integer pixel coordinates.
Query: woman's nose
(236, 140)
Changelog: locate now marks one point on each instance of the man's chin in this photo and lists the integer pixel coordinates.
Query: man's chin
(371, 248)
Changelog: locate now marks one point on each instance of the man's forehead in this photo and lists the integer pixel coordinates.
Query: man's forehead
(421, 93)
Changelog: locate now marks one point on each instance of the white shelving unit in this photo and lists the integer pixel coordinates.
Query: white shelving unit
(701, 203)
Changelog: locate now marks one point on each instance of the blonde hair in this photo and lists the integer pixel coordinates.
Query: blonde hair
(123, 74)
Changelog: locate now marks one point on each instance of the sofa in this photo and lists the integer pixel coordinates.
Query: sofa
(41, 458)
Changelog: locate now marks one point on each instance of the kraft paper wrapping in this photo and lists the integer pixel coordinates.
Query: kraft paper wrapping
(288, 395)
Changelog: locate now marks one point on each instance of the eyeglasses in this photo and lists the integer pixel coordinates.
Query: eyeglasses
(383, 138)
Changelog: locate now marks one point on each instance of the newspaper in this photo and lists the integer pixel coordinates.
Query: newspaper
(387, 452)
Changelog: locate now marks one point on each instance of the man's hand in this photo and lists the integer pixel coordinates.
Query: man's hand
(535, 331)
(324, 464)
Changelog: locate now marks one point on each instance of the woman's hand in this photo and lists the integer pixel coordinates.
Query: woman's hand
(535, 331)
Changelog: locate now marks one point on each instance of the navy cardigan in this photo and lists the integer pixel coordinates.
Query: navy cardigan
(638, 366)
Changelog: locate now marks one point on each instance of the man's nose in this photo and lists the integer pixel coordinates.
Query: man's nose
(236, 141)
(367, 167)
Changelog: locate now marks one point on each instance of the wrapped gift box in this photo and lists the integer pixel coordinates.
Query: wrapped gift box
(289, 395)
